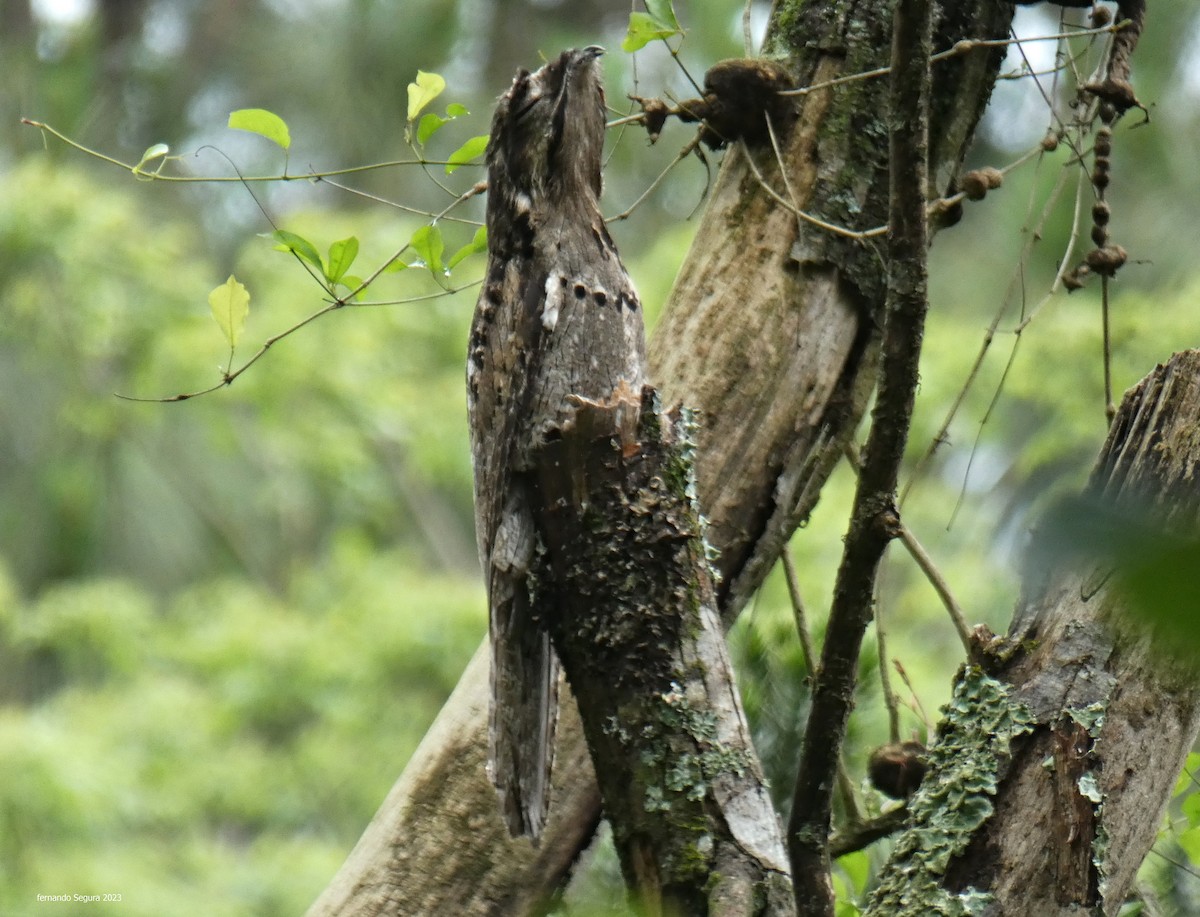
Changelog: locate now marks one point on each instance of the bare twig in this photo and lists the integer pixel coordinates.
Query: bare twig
(885, 681)
(917, 707)
(918, 553)
(876, 231)
(808, 217)
(798, 615)
(1110, 409)
(864, 834)
(939, 584)
(284, 176)
(404, 207)
(683, 154)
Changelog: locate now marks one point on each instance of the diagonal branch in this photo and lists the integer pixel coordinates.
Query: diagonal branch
(874, 518)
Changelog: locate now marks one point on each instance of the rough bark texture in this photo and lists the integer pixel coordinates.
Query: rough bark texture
(637, 630)
(1073, 729)
(769, 332)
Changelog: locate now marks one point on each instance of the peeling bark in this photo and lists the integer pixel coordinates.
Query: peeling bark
(637, 631)
(1099, 716)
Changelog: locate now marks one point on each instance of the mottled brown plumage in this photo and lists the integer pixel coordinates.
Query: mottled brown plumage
(557, 317)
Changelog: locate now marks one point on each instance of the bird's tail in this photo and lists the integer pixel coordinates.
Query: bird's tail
(523, 715)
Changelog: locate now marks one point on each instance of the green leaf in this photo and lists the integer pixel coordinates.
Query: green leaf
(397, 266)
(341, 256)
(158, 151)
(643, 29)
(428, 126)
(857, 868)
(427, 243)
(456, 110)
(427, 88)
(230, 304)
(1189, 840)
(1187, 779)
(472, 149)
(262, 122)
(351, 283)
(290, 242)
(1190, 809)
(663, 11)
(477, 244)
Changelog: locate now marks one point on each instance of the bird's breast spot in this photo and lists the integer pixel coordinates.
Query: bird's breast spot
(552, 302)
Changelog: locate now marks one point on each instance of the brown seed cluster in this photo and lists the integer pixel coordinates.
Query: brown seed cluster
(897, 769)
(740, 95)
(978, 182)
(1105, 259)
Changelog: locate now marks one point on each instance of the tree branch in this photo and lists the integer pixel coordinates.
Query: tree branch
(874, 519)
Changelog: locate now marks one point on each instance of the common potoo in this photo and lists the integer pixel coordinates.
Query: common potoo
(558, 316)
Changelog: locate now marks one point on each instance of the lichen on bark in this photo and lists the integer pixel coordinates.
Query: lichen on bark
(955, 798)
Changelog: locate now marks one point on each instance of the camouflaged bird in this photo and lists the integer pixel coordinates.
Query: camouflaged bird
(557, 317)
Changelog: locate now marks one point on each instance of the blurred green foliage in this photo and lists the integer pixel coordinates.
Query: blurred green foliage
(226, 623)
(216, 749)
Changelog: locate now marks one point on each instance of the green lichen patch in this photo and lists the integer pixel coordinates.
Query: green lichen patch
(687, 772)
(954, 800)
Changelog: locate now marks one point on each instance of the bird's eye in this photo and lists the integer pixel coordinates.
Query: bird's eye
(526, 108)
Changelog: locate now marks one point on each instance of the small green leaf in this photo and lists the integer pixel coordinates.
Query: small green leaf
(290, 242)
(351, 283)
(427, 88)
(643, 29)
(427, 243)
(397, 266)
(428, 126)
(1187, 779)
(262, 122)
(477, 244)
(1189, 840)
(1190, 809)
(158, 151)
(663, 12)
(456, 110)
(341, 256)
(230, 304)
(472, 149)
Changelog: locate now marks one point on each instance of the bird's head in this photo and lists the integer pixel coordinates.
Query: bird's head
(548, 131)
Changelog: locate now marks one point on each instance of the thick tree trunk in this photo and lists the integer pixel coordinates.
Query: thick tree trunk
(771, 332)
(1048, 784)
